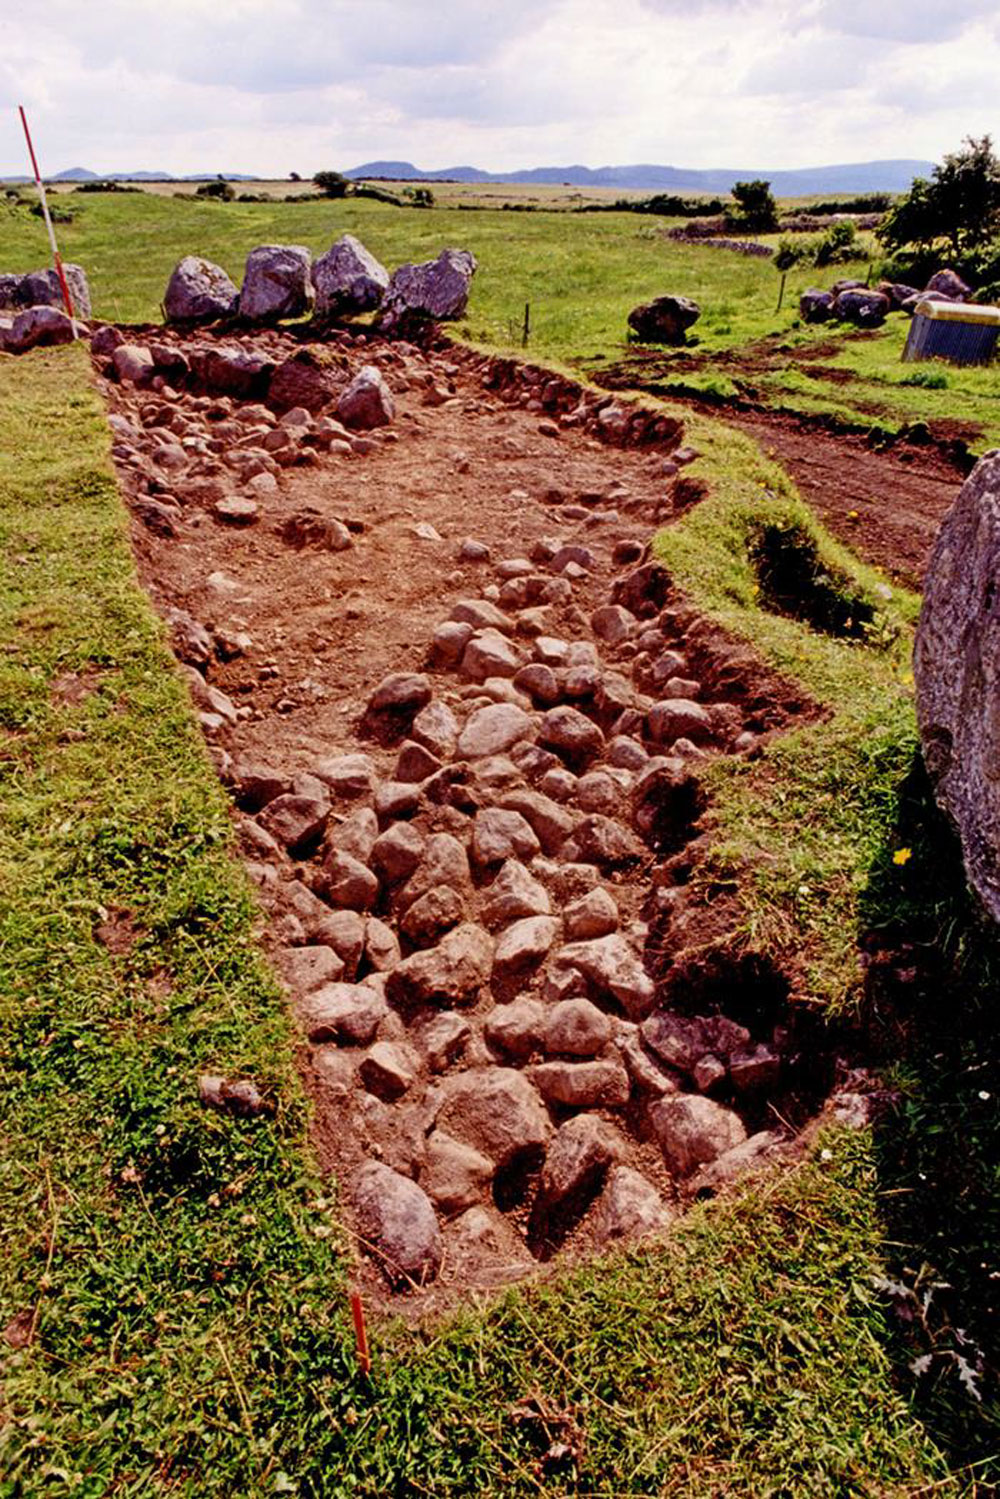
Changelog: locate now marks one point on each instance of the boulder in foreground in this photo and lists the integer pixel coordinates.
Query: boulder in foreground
(957, 668)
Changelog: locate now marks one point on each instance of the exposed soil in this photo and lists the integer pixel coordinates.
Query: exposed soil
(884, 497)
(327, 585)
(886, 506)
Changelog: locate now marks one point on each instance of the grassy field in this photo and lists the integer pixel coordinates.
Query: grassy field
(581, 275)
(172, 1283)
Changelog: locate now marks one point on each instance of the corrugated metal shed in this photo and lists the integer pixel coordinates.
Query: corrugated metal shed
(958, 331)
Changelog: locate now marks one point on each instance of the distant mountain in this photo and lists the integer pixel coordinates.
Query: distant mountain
(83, 174)
(848, 177)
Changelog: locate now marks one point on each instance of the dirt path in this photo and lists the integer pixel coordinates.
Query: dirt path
(461, 715)
(886, 506)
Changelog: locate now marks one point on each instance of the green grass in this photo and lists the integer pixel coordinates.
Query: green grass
(581, 274)
(179, 1270)
(801, 826)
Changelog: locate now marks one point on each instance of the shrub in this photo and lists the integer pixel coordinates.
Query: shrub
(331, 184)
(221, 190)
(756, 211)
(960, 204)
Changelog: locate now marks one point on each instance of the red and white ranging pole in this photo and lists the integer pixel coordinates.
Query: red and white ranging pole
(57, 262)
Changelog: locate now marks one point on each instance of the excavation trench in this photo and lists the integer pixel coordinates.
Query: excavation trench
(461, 716)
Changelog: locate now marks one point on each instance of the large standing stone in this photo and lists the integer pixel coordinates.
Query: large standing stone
(432, 291)
(665, 320)
(348, 279)
(277, 283)
(396, 1217)
(957, 667)
(199, 292)
(367, 402)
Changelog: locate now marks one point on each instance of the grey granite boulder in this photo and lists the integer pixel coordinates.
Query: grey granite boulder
(199, 292)
(430, 292)
(957, 668)
(348, 279)
(277, 283)
(42, 289)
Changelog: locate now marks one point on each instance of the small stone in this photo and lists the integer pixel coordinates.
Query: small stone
(517, 1028)
(396, 1217)
(597, 792)
(539, 682)
(389, 1070)
(444, 862)
(751, 1155)
(454, 1175)
(626, 753)
(307, 968)
(571, 735)
(396, 799)
(577, 1162)
(347, 882)
(707, 1073)
(577, 1028)
(494, 729)
(603, 841)
(489, 654)
(550, 822)
(613, 624)
(582, 1085)
(481, 615)
(297, 822)
(347, 776)
(397, 852)
(431, 915)
(342, 1012)
(400, 692)
(679, 718)
(444, 1039)
(354, 834)
(473, 551)
(629, 1208)
(381, 945)
(611, 970)
(593, 915)
(693, 1130)
(496, 1110)
(558, 784)
(523, 945)
(550, 651)
(677, 1040)
(436, 729)
(415, 762)
(367, 402)
(513, 895)
(498, 834)
(449, 642)
(454, 972)
(237, 510)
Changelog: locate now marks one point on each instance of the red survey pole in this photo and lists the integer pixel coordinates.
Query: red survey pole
(45, 213)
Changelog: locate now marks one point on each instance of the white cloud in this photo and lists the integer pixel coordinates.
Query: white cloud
(267, 85)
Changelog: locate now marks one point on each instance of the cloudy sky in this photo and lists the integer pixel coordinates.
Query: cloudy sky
(272, 86)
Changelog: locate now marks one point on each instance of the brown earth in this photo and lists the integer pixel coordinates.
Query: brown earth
(884, 499)
(287, 639)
